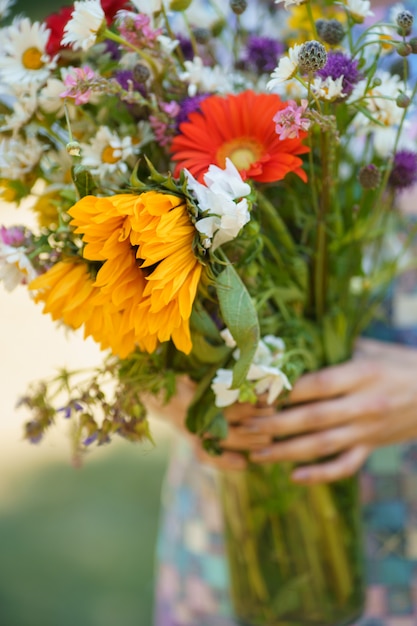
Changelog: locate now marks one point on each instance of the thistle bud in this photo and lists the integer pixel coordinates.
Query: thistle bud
(202, 35)
(404, 21)
(141, 73)
(369, 176)
(238, 6)
(403, 101)
(312, 56)
(413, 43)
(404, 49)
(330, 31)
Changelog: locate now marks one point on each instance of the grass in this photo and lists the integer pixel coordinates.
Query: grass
(77, 546)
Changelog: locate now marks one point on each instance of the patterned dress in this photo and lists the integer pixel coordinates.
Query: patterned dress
(192, 587)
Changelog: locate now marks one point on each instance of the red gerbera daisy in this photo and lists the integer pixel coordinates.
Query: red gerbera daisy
(239, 127)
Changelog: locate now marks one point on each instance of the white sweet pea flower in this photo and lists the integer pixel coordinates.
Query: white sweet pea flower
(227, 337)
(286, 68)
(221, 386)
(224, 217)
(269, 380)
(205, 79)
(87, 19)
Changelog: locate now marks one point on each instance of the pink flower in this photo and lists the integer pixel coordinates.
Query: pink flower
(290, 121)
(12, 236)
(79, 84)
(137, 30)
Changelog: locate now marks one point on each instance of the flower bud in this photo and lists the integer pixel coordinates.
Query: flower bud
(404, 49)
(404, 21)
(179, 5)
(369, 176)
(377, 82)
(330, 31)
(312, 56)
(202, 35)
(413, 43)
(238, 6)
(403, 101)
(141, 73)
(73, 148)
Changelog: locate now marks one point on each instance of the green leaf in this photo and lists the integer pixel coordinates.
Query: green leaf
(240, 317)
(83, 180)
(203, 323)
(206, 352)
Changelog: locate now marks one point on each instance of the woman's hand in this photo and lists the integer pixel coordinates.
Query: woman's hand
(344, 412)
(239, 438)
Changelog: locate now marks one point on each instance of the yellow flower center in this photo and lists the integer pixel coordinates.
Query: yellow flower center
(32, 59)
(243, 152)
(110, 155)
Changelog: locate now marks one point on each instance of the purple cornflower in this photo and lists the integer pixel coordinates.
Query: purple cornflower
(188, 105)
(290, 121)
(125, 79)
(186, 47)
(339, 64)
(112, 48)
(404, 170)
(262, 53)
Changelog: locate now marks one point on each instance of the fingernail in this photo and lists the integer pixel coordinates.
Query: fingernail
(301, 475)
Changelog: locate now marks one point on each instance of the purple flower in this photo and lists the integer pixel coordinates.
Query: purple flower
(125, 77)
(404, 170)
(186, 47)
(262, 53)
(339, 64)
(188, 105)
(112, 48)
(12, 236)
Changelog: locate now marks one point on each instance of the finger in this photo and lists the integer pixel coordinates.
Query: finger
(314, 416)
(225, 461)
(345, 465)
(308, 447)
(240, 412)
(238, 440)
(334, 381)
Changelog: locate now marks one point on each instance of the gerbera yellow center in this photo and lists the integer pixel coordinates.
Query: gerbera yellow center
(32, 59)
(110, 155)
(243, 152)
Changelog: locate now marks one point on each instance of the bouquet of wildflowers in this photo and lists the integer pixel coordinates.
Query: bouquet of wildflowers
(214, 185)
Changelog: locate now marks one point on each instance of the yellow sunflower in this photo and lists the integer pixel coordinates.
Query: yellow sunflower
(145, 288)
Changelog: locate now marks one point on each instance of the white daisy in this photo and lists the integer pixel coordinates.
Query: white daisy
(24, 59)
(328, 89)
(5, 6)
(15, 267)
(359, 9)
(23, 101)
(87, 19)
(380, 101)
(286, 68)
(18, 156)
(107, 153)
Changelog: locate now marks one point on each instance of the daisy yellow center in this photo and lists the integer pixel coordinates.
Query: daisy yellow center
(243, 152)
(110, 155)
(32, 59)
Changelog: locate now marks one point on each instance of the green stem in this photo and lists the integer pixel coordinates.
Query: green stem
(278, 225)
(146, 57)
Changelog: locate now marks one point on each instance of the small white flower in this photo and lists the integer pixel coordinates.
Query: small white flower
(328, 89)
(286, 68)
(227, 337)
(107, 153)
(50, 97)
(224, 218)
(82, 29)
(221, 386)
(359, 9)
(205, 79)
(5, 6)
(268, 379)
(15, 267)
(290, 3)
(380, 102)
(19, 157)
(24, 101)
(168, 44)
(23, 58)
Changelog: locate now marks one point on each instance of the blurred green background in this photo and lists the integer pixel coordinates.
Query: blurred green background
(77, 545)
